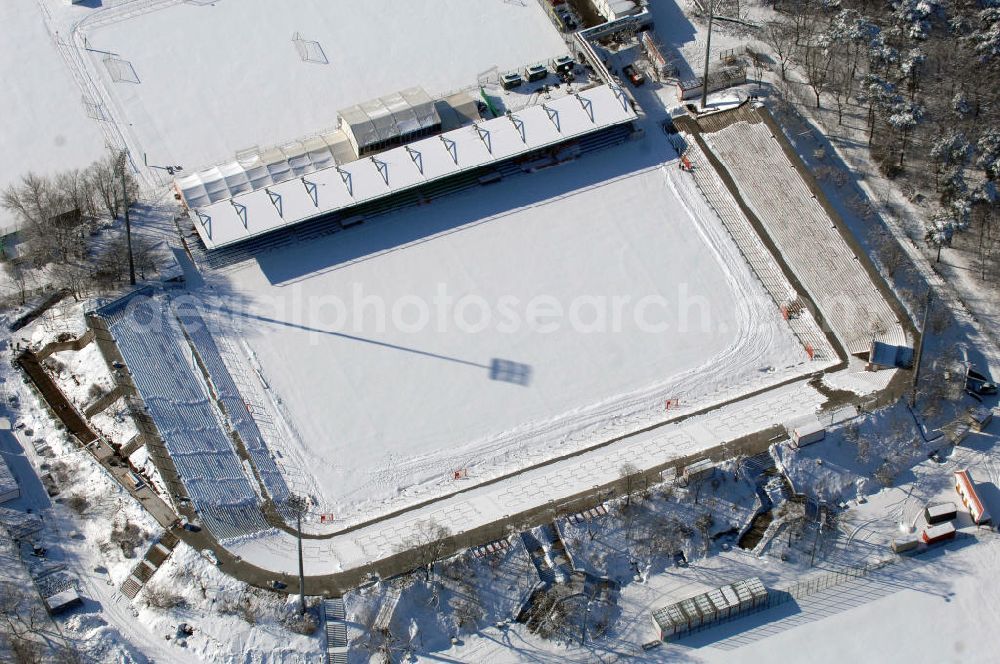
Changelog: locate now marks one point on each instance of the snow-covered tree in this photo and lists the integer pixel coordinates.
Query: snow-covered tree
(944, 224)
(986, 37)
(904, 117)
(988, 149)
(880, 97)
(914, 18)
(960, 104)
(949, 151)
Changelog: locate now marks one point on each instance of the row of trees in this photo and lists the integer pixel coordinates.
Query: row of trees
(925, 77)
(60, 216)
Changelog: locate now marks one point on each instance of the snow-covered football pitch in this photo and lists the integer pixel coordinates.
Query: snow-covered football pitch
(437, 339)
(198, 81)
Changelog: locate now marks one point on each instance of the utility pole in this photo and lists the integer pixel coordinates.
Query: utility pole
(708, 52)
(128, 224)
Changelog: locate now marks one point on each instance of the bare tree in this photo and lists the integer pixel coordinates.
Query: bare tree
(704, 524)
(429, 543)
(863, 451)
(816, 64)
(31, 200)
(23, 623)
(630, 474)
(885, 474)
(20, 277)
(780, 39)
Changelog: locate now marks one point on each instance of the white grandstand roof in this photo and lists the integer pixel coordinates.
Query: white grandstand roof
(282, 199)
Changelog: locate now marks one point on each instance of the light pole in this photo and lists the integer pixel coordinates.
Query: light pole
(298, 504)
(128, 225)
(708, 51)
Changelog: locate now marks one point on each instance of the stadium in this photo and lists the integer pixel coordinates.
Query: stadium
(421, 291)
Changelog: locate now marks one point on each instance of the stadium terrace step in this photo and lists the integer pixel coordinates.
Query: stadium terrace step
(806, 235)
(200, 448)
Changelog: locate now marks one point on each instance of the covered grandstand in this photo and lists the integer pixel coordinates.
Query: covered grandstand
(233, 208)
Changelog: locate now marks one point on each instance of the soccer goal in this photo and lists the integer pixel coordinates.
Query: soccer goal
(309, 50)
(120, 70)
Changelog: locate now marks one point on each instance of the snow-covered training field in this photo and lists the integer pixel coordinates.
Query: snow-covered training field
(198, 81)
(433, 340)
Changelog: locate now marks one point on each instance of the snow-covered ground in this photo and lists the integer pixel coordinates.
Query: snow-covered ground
(198, 81)
(605, 301)
(46, 127)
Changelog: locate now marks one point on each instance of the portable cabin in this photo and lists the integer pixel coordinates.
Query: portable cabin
(807, 433)
(940, 513)
(690, 610)
(706, 608)
(939, 533)
(905, 544)
(723, 607)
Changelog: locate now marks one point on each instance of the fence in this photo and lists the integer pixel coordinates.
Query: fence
(800, 590)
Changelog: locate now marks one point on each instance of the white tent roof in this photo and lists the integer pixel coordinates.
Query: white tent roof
(225, 222)
(390, 117)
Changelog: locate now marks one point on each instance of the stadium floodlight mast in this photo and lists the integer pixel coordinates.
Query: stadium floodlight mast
(128, 224)
(708, 51)
(298, 504)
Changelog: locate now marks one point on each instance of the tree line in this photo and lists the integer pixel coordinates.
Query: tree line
(925, 77)
(61, 216)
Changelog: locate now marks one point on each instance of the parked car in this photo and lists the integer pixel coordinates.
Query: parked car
(536, 72)
(563, 64)
(278, 585)
(511, 80)
(635, 76)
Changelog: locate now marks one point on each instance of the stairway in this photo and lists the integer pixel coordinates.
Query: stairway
(335, 626)
(534, 547)
(144, 570)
